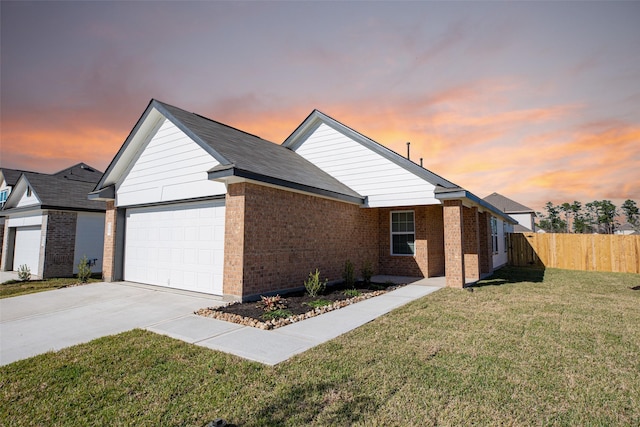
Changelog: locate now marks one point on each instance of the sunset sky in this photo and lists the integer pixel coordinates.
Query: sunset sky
(538, 101)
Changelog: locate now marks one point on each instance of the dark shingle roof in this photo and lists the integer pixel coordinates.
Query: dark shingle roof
(80, 172)
(59, 192)
(505, 204)
(233, 147)
(11, 176)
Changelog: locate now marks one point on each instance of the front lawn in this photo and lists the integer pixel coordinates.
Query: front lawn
(13, 288)
(561, 348)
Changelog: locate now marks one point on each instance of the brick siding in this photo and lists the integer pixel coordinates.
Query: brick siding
(274, 238)
(453, 243)
(471, 243)
(60, 235)
(109, 253)
(428, 260)
(486, 257)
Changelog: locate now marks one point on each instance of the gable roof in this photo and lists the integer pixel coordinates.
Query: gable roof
(239, 153)
(61, 190)
(316, 118)
(11, 176)
(507, 205)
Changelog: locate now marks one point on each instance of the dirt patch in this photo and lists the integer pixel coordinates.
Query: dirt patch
(298, 305)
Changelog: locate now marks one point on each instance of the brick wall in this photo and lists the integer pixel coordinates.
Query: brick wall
(274, 238)
(428, 260)
(453, 243)
(471, 243)
(109, 252)
(60, 235)
(486, 257)
(1, 237)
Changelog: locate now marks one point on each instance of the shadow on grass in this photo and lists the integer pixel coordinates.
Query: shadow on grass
(512, 275)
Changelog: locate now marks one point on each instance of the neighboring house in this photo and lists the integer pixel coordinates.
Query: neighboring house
(197, 205)
(50, 224)
(524, 215)
(8, 179)
(625, 229)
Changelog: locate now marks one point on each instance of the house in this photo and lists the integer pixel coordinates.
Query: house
(8, 179)
(524, 215)
(49, 224)
(625, 229)
(198, 205)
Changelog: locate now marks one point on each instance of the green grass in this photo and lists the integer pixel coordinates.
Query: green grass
(13, 288)
(525, 348)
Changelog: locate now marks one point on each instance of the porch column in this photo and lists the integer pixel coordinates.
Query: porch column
(453, 243)
(109, 252)
(471, 243)
(486, 256)
(234, 227)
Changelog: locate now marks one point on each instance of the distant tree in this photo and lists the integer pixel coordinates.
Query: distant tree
(551, 222)
(606, 213)
(632, 213)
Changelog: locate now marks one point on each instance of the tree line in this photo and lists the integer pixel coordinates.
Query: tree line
(599, 216)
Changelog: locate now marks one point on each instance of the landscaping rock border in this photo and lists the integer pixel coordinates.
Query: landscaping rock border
(277, 323)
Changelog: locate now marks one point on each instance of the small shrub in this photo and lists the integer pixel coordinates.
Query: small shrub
(272, 303)
(351, 293)
(349, 275)
(318, 303)
(276, 314)
(24, 273)
(84, 270)
(313, 285)
(367, 273)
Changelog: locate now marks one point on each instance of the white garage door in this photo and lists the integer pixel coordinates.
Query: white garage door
(27, 248)
(177, 246)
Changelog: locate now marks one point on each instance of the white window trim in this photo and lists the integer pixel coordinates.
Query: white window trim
(392, 233)
(494, 236)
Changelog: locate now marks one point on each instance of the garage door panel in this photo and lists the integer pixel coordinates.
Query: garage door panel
(179, 246)
(27, 248)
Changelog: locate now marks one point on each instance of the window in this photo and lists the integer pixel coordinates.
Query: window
(28, 191)
(505, 231)
(403, 235)
(494, 234)
(3, 196)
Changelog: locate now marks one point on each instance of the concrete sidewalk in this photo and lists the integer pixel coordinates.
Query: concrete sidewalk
(36, 323)
(278, 345)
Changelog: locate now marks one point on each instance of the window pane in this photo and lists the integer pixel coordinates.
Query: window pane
(403, 244)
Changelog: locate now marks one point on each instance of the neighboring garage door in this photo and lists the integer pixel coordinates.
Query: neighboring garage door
(178, 246)
(27, 248)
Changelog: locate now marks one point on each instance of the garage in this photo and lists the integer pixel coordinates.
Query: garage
(178, 246)
(27, 248)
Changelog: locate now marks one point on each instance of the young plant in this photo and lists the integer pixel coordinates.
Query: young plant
(276, 314)
(318, 303)
(272, 303)
(351, 293)
(84, 270)
(348, 274)
(313, 285)
(367, 273)
(24, 273)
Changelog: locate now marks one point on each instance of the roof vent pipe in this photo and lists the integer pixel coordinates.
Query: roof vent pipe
(408, 144)
(420, 161)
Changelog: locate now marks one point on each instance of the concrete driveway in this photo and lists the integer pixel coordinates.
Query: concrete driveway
(37, 323)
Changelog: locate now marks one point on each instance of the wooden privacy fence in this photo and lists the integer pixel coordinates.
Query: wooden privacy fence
(589, 252)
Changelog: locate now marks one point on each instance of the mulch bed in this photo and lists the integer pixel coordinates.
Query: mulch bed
(251, 313)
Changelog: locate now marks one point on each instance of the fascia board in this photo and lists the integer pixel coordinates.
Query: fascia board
(462, 194)
(224, 173)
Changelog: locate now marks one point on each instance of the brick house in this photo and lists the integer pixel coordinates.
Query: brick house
(49, 224)
(197, 205)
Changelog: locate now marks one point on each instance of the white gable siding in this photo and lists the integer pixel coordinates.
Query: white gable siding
(27, 200)
(365, 171)
(171, 167)
(526, 219)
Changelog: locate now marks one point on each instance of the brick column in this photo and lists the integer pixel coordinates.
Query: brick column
(58, 256)
(471, 240)
(233, 274)
(453, 243)
(109, 253)
(486, 257)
